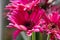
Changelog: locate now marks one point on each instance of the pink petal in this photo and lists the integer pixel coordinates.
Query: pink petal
(20, 27)
(58, 36)
(38, 16)
(46, 18)
(36, 28)
(58, 22)
(18, 17)
(26, 3)
(11, 6)
(55, 17)
(29, 32)
(32, 15)
(23, 27)
(41, 29)
(11, 25)
(15, 34)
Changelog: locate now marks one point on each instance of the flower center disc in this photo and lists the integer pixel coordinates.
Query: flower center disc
(29, 24)
(53, 26)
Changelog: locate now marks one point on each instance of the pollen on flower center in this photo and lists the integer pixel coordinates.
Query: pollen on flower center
(29, 24)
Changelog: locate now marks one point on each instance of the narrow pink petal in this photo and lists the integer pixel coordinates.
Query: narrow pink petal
(29, 32)
(58, 36)
(17, 26)
(20, 27)
(55, 17)
(26, 3)
(18, 17)
(38, 16)
(33, 14)
(11, 25)
(23, 27)
(36, 28)
(41, 29)
(42, 21)
(26, 15)
(15, 34)
(46, 18)
(58, 22)
(11, 6)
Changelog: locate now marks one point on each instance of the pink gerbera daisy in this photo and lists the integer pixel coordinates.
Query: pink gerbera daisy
(28, 21)
(53, 24)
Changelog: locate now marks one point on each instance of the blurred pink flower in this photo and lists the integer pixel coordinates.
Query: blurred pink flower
(27, 4)
(52, 20)
(25, 21)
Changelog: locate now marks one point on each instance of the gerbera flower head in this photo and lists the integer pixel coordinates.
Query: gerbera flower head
(52, 23)
(25, 21)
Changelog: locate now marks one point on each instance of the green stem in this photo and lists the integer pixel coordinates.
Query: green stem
(33, 36)
(48, 37)
(40, 36)
(29, 38)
